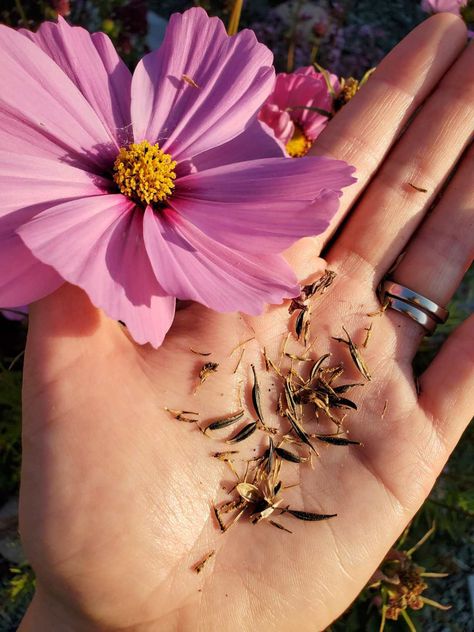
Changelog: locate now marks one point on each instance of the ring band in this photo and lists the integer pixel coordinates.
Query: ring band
(413, 312)
(422, 310)
(396, 290)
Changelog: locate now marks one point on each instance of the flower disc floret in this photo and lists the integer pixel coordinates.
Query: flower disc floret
(299, 144)
(144, 173)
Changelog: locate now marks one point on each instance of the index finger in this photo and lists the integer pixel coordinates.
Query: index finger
(363, 132)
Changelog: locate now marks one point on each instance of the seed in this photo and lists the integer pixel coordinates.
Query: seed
(256, 396)
(316, 366)
(307, 515)
(200, 353)
(336, 440)
(286, 455)
(319, 286)
(225, 456)
(200, 565)
(279, 526)
(225, 421)
(420, 189)
(298, 430)
(190, 81)
(246, 431)
(355, 355)
(206, 370)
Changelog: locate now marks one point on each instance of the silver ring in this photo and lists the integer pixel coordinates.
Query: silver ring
(413, 312)
(395, 290)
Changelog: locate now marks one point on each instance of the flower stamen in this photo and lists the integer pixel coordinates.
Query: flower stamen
(299, 144)
(144, 173)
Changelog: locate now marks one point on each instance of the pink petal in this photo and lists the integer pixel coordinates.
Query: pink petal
(27, 181)
(278, 120)
(257, 141)
(293, 95)
(190, 265)
(234, 75)
(43, 113)
(23, 278)
(263, 205)
(97, 244)
(92, 64)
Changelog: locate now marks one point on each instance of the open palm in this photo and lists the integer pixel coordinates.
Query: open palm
(116, 495)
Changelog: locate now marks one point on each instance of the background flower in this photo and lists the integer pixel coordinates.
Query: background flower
(291, 111)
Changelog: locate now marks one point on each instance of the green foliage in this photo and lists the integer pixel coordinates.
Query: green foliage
(10, 432)
(16, 591)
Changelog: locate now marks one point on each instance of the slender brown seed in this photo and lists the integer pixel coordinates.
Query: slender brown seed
(319, 286)
(381, 310)
(270, 459)
(385, 406)
(239, 360)
(218, 518)
(307, 515)
(225, 456)
(225, 421)
(336, 440)
(306, 330)
(200, 353)
(190, 81)
(206, 370)
(279, 526)
(256, 396)
(246, 431)
(299, 323)
(296, 304)
(367, 336)
(298, 430)
(355, 355)
(197, 568)
(343, 402)
(180, 415)
(345, 387)
(420, 189)
(290, 401)
(286, 455)
(317, 365)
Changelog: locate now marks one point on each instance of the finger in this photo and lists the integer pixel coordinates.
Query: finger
(448, 383)
(391, 209)
(365, 129)
(443, 249)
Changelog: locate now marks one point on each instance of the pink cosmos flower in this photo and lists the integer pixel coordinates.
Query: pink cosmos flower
(442, 6)
(287, 111)
(148, 188)
(17, 313)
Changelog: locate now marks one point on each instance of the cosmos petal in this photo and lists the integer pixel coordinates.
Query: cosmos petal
(97, 244)
(233, 75)
(26, 181)
(23, 278)
(190, 265)
(263, 205)
(43, 112)
(93, 65)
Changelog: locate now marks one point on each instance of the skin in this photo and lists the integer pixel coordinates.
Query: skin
(115, 497)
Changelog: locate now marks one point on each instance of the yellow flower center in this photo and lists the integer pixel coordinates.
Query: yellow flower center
(144, 173)
(299, 144)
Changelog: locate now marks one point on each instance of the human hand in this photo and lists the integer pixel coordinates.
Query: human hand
(115, 498)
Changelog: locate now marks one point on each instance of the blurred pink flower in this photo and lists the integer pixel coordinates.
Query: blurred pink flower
(89, 197)
(442, 6)
(15, 313)
(287, 111)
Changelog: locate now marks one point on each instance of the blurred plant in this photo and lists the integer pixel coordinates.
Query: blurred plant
(124, 21)
(16, 592)
(400, 583)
